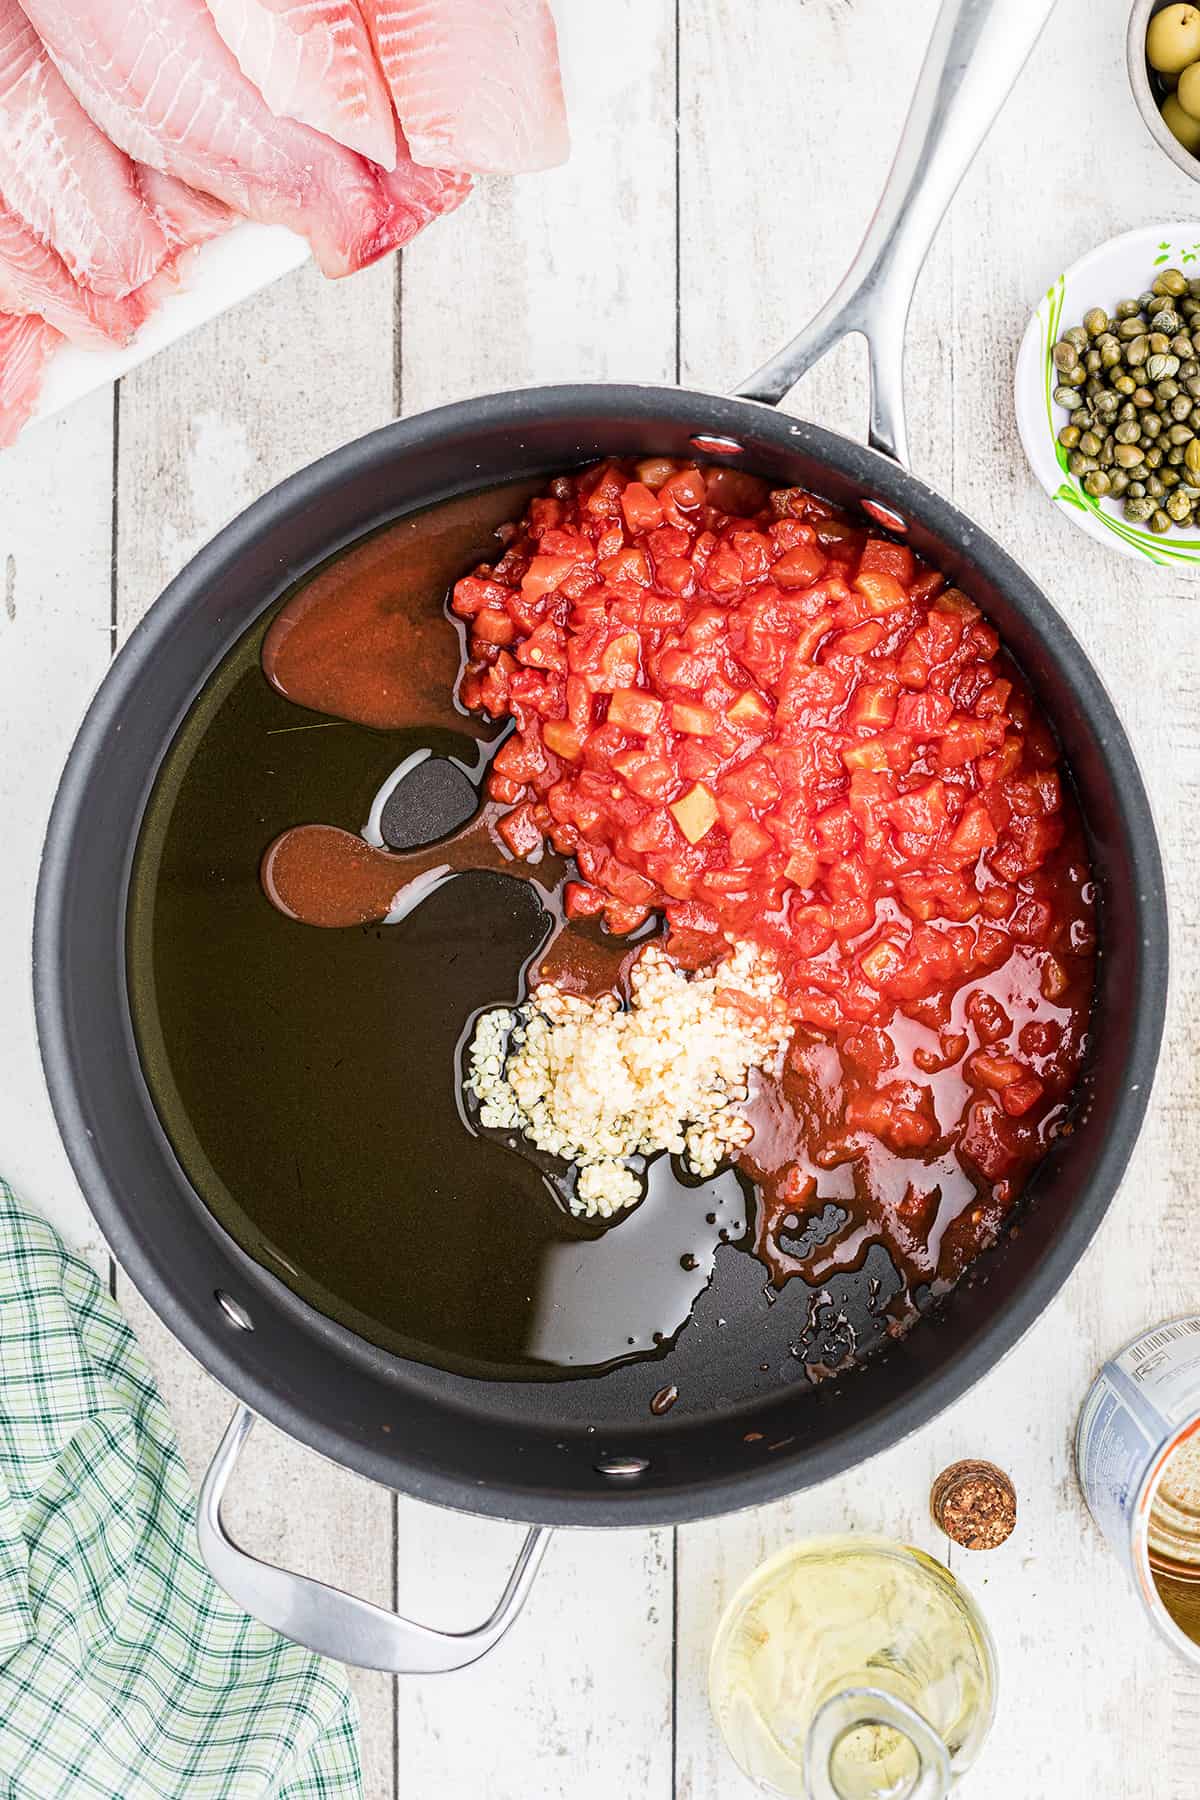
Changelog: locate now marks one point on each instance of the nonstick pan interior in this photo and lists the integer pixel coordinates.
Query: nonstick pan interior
(740, 1432)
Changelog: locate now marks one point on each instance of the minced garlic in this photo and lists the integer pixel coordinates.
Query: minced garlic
(596, 1084)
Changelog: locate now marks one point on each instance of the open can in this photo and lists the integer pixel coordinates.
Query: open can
(1137, 1452)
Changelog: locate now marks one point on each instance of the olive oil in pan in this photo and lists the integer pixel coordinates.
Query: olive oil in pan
(309, 1079)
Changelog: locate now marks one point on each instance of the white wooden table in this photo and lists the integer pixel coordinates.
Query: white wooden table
(727, 156)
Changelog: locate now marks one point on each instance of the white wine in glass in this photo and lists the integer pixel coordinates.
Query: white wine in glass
(853, 1668)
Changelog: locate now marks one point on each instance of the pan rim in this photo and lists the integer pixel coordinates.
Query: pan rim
(210, 1341)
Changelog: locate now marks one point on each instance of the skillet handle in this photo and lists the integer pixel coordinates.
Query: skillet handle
(975, 54)
(329, 1621)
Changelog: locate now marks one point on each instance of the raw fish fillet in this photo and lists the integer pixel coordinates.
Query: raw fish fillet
(62, 176)
(476, 82)
(26, 345)
(34, 279)
(312, 60)
(157, 77)
(186, 216)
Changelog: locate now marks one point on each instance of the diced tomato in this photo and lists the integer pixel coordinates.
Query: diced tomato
(564, 739)
(750, 711)
(695, 813)
(642, 510)
(686, 716)
(634, 710)
(881, 557)
(882, 592)
(748, 841)
(766, 721)
(798, 567)
(520, 830)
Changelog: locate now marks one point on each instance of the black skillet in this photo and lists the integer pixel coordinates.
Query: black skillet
(581, 1452)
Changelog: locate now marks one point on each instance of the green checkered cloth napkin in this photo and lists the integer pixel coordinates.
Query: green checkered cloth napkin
(125, 1673)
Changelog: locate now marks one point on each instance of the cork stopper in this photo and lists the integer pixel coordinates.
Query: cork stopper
(975, 1504)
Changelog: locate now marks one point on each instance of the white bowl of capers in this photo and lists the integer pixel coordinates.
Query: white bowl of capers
(1108, 393)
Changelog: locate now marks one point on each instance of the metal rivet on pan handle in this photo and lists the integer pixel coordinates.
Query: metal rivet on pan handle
(883, 515)
(622, 1468)
(233, 1309)
(332, 1623)
(716, 446)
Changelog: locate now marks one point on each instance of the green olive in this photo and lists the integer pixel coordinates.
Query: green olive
(1173, 39)
(1180, 124)
(1188, 91)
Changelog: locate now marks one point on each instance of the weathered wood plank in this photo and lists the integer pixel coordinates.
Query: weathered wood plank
(55, 606)
(565, 276)
(204, 429)
(1083, 1683)
(287, 1505)
(1084, 1680)
(769, 220)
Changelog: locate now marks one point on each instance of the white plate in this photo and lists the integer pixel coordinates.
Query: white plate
(220, 273)
(1119, 270)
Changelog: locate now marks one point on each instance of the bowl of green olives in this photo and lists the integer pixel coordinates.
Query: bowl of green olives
(1107, 393)
(1162, 50)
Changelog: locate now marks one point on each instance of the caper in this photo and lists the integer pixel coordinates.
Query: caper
(1159, 345)
(1137, 489)
(1140, 473)
(1151, 424)
(1065, 355)
(1077, 336)
(1167, 321)
(1182, 345)
(1179, 506)
(1155, 488)
(1067, 397)
(1079, 464)
(1189, 368)
(1167, 473)
(1159, 520)
(1131, 326)
(1137, 352)
(1127, 432)
(1166, 389)
(1127, 455)
(1069, 436)
(1181, 408)
(1125, 309)
(1191, 457)
(1091, 362)
(1179, 434)
(1138, 509)
(1159, 366)
(1105, 405)
(1093, 387)
(1096, 484)
(1095, 320)
(1153, 459)
(1171, 281)
(1118, 482)
(1110, 351)
(1125, 384)
(1142, 398)
(1090, 444)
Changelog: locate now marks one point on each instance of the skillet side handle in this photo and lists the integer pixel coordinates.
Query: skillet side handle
(329, 1621)
(975, 54)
